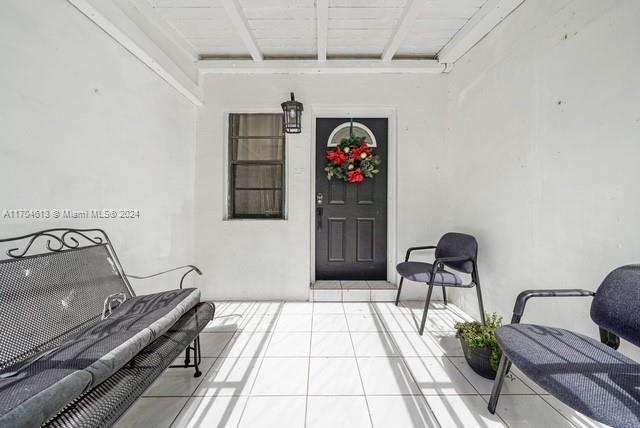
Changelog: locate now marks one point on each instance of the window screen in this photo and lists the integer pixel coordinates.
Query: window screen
(256, 165)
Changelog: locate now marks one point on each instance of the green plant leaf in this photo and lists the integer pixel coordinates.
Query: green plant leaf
(477, 335)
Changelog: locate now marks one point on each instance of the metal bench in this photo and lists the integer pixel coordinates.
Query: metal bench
(78, 347)
(589, 376)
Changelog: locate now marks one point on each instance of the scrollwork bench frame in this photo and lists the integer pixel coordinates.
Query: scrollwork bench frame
(54, 283)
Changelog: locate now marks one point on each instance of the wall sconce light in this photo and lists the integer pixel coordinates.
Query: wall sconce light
(292, 116)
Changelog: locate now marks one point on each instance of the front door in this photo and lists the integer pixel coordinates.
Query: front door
(351, 218)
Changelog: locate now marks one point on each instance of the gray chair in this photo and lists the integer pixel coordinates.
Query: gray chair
(589, 376)
(458, 252)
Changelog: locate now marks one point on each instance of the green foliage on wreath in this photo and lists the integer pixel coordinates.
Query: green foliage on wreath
(352, 160)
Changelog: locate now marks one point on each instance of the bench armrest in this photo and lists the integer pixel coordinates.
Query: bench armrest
(411, 249)
(521, 300)
(191, 268)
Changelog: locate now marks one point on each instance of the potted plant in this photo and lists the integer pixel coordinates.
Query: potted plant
(481, 350)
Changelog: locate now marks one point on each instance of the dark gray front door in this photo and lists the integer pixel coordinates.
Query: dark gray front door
(351, 219)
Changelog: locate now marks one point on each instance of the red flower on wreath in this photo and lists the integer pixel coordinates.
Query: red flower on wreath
(355, 154)
(337, 156)
(356, 176)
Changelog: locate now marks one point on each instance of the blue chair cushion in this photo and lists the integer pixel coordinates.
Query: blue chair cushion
(421, 272)
(454, 244)
(585, 374)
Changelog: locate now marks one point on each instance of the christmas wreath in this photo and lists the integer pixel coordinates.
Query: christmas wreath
(352, 160)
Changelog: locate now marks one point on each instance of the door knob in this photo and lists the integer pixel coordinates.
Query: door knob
(319, 198)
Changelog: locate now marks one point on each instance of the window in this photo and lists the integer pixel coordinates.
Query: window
(344, 130)
(256, 166)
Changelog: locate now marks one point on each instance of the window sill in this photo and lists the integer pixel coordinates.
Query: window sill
(254, 219)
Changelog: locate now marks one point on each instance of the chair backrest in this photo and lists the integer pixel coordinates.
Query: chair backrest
(458, 245)
(48, 296)
(616, 305)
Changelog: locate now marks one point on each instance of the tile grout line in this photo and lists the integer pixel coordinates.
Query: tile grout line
(219, 357)
(541, 396)
(404, 361)
(204, 375)
(335, 395)
(479, 394)
(306, 399)
(377, 314)
(553, 407)
(261, 358)
(353, 347)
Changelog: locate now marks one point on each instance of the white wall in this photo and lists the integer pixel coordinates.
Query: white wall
(85, 125)
(544, 146)
(531, 143)
(270, 259)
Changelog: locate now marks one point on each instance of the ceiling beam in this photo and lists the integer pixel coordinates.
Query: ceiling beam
(234, 11)
(422, 66)
(322, 27)
(169, 31)
(113, 21)
(409, 15)
(481, 23)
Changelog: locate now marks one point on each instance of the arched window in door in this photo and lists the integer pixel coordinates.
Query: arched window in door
(342, 131)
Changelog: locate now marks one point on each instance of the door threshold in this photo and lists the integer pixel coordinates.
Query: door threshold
(352, 291)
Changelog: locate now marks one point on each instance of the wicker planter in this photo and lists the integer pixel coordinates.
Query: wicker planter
(479, 359)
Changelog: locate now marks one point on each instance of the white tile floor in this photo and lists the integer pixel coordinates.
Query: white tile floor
(291, 364)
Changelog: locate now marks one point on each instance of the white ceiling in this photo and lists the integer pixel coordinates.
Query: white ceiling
(289, 28)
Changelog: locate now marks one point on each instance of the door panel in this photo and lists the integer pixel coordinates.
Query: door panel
(365, 192)
(365, 239)
(351, 219)
(337, 192)
(337, 239)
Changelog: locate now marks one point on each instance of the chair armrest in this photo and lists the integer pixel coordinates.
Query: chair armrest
(191, 268)
(411, 249)
(439, 263)
(521, 300)
(442, 260)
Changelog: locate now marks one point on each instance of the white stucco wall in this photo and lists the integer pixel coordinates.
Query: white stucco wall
(263, 259)
(86, 125)
(544, 145)
(531, 143)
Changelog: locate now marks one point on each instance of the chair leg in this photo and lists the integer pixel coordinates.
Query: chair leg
(399, 289)
(444, 295)
(480, 304)
(426, 309)
(503, 368)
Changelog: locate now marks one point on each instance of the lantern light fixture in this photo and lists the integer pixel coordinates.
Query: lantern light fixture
(292, 116)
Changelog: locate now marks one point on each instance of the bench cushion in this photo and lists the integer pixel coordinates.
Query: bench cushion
(421, 272)
(37, 388)
(104, 404)
(585, 374)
